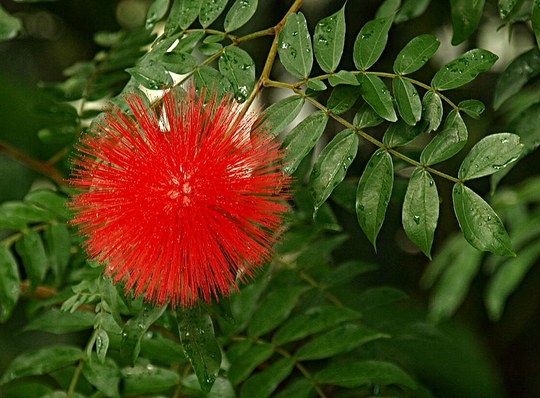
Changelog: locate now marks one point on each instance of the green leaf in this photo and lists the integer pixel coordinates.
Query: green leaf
(508, 277)
(178, 62)
(466, 15)
(104, 376)
(506, 7)
(345, 272)
(246, 363)
(300, 388)
(200, 345)
(489, 155)
(238, 66)
(366, 117)
(210, 48)
(10, 26)
(102, 344)
(302, 139)
(49, 200)
(275, 308)
(373, 298)
(317, 85)
(41, 361)
(454, 283)
(59, 322)
(516, 75)
(210, 11)
(370, 42)
(182, 15)
(411, 9)
(279, 115)
(329, 39)
(400, 133)
(147, 379)
(376, 94)
(408, 101)
(448, 142)
(415, 54)
(58, 243)
(134, 330)
(151, 75)
(421, 210)
(189, 41)
(264, 383)
(342, 339)
(156, 347)
(464, 69)
(388, 8)
(373, 194)
(18, 214)
(10, 283)
(295, 52)
(209, 78)
(535, 20)
(312, 321)
(473, 108)
(361, 373)
(32, 252)
(240, 12)
(332, 164)
(156, 12)
(343, 77)
(481, 226)
(342, 98)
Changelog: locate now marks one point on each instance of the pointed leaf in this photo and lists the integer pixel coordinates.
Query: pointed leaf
(366, 117)
(373, 194)
(332, 164)
(464, 69)
(32, 252)
(239, 14)
(364, 373)
(145, 379)
(275, 308)
(343, 98)
(246, 363)
(342, 339)
(182, 15)
(151, 75)
(421, 210)
(41, 361)
(411, 9)
(371, 41)
(466, 15)
(295, 52)
(489, 155)
(400, 133)
(314, 320)
(516, 75)
(388, 8)
(300, 388)
(473, 108)
(481, 226)
(302, 139)
(279, 115)
(408, 101)
(210, 11)
(49, 200)
(10, 283)
(238, 66)
(199, 343)
(343, 77)
(376, 94)
(415, 54)
(508, 277)
(178, 62)
(317, 85)
(448, 142)
(329, 39)
(264, 383)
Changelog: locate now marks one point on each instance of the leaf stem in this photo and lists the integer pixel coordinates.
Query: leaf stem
(78, 369)
(360, 132)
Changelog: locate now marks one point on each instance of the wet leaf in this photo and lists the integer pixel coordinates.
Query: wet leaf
(421, 210)
(182, 15)
(408, 101)
(279, 115)
(238, 66)
(60, 322)
(210, 11)
(343, 77)
(147, 379)
(156, 12)
(239, 14)
(329, 39)
(473, 108)
(464, 69)
(32, 252)
(151, 75)
(366, 117)
(432, 110)
(466, 15)
(10, 283)
(343, 98)
(506, 7)
(373, 193)
(370, 42)
(448, 142)
(481, 226)
(376, 94)
(411, 9)
(489, 155)
(415, 54)
(295, 51)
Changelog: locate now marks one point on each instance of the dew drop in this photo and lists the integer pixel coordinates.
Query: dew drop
(416, 220)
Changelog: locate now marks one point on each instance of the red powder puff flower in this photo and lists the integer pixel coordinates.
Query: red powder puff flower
(179, 205)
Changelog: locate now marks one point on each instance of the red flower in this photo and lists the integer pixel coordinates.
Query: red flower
(179, 206)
